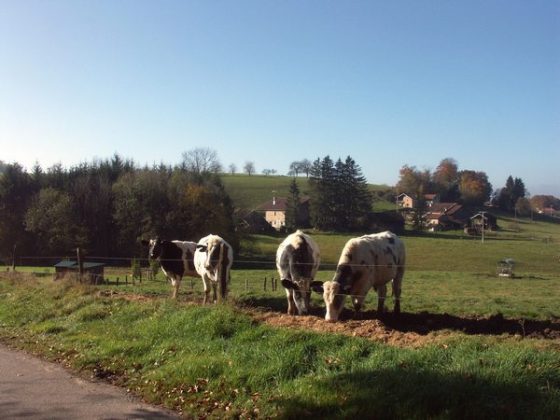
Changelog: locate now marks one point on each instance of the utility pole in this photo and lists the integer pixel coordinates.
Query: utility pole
(483, 221)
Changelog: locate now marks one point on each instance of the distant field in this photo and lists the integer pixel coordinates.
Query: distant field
(248, 192)
(535, 247)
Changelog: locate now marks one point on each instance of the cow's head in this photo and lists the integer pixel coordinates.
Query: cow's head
(301, 291)
(155, 247)
(334, 292)
(212, 250)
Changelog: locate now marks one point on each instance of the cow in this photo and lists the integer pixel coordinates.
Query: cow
(212, 259)
(365, 262)
(176, 259)
(297, 261)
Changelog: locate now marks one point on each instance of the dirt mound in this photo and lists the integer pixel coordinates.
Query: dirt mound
(415, 330)
(406, 330)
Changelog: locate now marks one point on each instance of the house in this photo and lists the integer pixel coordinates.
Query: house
(275, 212)
(442, 216)
(407, 201)
(254, 222)
(93, 272)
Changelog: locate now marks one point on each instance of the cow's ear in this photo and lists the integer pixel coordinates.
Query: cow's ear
(317, 286)
(288, 284)
(202, 248)
(145, 242)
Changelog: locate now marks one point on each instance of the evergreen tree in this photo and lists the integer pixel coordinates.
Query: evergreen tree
(339, 193)
(292, 207)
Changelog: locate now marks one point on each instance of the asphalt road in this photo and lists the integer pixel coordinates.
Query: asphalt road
(31, 388)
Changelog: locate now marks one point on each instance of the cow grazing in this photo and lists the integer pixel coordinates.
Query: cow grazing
(212, 260)
(176, 259)
(297, 260)
(366, 262)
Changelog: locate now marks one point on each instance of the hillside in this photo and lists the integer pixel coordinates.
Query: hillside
(247, 192)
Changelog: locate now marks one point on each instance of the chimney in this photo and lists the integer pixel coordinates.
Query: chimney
(273, 200)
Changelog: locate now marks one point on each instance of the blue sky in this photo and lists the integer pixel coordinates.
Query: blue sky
(387, 82)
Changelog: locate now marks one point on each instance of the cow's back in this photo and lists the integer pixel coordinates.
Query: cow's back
(379, 255)
(304, 253)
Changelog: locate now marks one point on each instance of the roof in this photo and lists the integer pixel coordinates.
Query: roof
(445, 208)
(74, 264)
(278, 204)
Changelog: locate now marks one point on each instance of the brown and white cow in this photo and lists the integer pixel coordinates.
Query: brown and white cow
(366, 262)
(176, 259)
(297, 261)
(212, 259)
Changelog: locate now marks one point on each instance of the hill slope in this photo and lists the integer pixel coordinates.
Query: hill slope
(247, 192)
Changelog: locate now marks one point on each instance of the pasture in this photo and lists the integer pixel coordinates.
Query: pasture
(468, 344)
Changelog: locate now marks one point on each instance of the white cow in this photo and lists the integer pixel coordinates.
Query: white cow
(366, 262)
(175, 257)
(297, 261)
(212, 259)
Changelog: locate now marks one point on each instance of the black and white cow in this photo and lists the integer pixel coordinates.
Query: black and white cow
(297, 261)
(212, 259)
(366, 262)
(176, 259)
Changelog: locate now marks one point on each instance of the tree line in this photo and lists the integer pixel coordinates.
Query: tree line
(338, 195)
(107, 206)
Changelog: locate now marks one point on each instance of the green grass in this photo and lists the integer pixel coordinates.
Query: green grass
(216, 361)
(248, 192)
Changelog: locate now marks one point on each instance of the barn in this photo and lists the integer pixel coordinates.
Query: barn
(93, 271)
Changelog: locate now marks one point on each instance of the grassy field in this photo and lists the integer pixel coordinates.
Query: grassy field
(217, 361)
(468, 345)
(248, 192)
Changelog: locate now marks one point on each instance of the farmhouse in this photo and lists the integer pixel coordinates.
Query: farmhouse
(275, 212)
(93, 271)
(407, 201)
(254, 222)
(442, 216)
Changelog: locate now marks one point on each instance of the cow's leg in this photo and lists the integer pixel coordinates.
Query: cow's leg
(206, 281)
(381, 295)
(292, 310)
(175, 282)
(214, 287)
(358, 302)
(397, 282)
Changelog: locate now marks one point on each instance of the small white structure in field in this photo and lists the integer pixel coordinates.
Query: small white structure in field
(505, 268)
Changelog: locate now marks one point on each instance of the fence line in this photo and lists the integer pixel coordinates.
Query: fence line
(237, 263)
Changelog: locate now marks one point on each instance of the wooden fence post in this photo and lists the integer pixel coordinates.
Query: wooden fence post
(80, 264)
(14, 258)
(265, 284)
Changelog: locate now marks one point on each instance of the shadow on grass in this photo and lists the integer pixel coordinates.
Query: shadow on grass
(424, 323)
(412, 392)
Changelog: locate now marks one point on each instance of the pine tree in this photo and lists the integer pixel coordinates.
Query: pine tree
(292, 207)
(340, 196)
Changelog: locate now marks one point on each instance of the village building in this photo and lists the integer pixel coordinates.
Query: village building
(275, 212)
(408, 201)
(444, 216)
